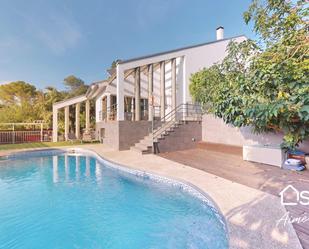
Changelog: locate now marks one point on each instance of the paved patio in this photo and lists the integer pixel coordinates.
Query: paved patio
(258, 176)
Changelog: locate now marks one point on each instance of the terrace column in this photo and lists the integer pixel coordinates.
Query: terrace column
(173, 83)
(66, 122)
(55, 124)
(120, 93)
(87, 115)
(77, 121)
(137, 93)
(150, 92)
(162, 89)
(108, 106)
(103, 115)
(132, 109)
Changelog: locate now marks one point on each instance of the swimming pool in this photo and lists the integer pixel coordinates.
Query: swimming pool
(58, 199)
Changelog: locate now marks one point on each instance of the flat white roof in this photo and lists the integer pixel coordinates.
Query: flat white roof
(176, 50)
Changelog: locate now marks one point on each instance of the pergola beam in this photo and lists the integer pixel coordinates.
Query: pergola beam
(55, 124)
(71, 101)
(162, 89)
(173, 67)
(77, 121)
(150, 92)
(87, 115)
(66, 122)
(137, 93)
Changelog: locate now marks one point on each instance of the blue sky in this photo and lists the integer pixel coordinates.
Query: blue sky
(43, 41)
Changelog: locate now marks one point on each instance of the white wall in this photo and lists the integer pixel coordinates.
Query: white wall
(129, 83)
(98, 108)
(189, 61)
(214, 130)
(203, 57)
(110, 89)
(129, 86)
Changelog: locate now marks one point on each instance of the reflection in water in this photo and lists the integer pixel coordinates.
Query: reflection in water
(76, 168)
(98, 172)
(55, 169)
(66, 167)
(87, 166)
(39, 208)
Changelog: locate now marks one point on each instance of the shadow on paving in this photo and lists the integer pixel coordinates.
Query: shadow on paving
(266, 178)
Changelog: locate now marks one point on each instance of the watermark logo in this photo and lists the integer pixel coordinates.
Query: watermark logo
(291, 196)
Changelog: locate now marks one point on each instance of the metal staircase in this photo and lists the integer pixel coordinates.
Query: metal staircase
(162, 128)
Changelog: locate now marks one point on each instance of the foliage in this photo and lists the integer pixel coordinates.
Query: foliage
(23, 102)
(263, 83)
(112, 70)
(18, 100)
(17, 93)
(75, 86)
(114, 63)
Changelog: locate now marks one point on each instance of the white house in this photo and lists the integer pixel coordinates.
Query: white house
(140, 89)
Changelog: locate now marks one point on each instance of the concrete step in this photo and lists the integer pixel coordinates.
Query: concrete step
(147, 143)
(148, 138)
(171, 129)
(143, 144)
(167, 132)
(136, 149)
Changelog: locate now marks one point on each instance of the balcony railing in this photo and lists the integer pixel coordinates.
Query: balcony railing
(111, 114)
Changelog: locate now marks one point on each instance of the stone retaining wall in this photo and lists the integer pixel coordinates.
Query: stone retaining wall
(216, 131)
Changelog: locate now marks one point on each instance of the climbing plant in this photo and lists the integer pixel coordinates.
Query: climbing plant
(263, 83)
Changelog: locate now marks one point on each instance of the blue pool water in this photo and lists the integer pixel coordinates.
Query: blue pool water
(67, 201)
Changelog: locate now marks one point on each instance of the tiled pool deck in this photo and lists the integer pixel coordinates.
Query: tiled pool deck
(251, 214)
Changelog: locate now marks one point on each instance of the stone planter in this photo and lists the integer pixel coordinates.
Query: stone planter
(266, 154)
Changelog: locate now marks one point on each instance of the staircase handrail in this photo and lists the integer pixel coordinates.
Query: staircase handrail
(172, 117)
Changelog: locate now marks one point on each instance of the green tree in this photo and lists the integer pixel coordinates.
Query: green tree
(75, 86)
(18, 100)
(44, 103)
(17, 93)
(22, 102)
(264, 83)
(115, 62)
